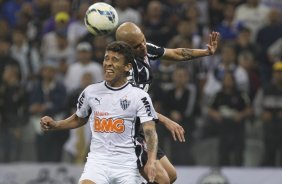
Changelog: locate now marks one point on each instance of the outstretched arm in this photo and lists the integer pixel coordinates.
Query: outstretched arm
(184, 54)
(48, 123)
(151, 138)
(176, 130)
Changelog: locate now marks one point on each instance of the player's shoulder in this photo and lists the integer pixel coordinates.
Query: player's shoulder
(151, 45)
(95, 87)
(154, 51)
(137, 89)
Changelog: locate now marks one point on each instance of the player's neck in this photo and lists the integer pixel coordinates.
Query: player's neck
(117, 84)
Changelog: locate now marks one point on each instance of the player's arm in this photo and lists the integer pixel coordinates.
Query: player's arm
(48, 123)
(184, 54)
(151, 138)
(176, 130)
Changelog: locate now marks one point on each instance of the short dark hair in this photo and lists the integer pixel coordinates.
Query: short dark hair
(122, 48)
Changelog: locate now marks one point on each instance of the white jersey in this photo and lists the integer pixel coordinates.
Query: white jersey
(112, 113)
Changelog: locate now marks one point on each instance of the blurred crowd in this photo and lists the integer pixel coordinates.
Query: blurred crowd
(230, 104)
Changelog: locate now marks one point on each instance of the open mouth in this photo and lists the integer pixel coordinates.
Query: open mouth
(109, 71)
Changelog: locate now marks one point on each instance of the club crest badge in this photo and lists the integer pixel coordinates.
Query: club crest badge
(124, 103)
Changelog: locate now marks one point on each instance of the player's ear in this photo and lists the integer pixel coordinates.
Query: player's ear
(128, 67)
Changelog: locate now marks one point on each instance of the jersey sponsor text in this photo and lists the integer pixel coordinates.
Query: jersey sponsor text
(109, 125)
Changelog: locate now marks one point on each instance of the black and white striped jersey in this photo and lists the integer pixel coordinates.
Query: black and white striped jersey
(141, 74)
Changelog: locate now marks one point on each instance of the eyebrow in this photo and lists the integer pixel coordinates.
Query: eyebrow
(136, 46)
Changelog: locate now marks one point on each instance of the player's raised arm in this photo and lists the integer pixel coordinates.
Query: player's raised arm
(151, 138)
(184, 54)
(48, 123)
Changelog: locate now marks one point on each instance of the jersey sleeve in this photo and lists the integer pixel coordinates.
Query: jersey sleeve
(154, 52)
(82, 107)
(146, 111)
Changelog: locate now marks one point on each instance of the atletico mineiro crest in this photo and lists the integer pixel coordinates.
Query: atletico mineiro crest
(124, 103)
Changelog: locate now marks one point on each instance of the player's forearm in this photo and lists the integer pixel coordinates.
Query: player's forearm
(184, 54)
(151, 138)
(163, 120)
(188, 54)
(70, 123)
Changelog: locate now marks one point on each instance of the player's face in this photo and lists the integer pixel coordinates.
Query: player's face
(139, 46)
(115, 69)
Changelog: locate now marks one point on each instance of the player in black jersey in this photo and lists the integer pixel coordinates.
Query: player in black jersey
(142, 76)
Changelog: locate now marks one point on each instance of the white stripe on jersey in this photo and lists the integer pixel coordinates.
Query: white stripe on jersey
(112, 120)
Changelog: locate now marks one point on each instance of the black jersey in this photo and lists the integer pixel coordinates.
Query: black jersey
(141, 75)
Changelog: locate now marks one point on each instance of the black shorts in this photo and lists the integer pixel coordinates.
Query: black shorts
(141, 152)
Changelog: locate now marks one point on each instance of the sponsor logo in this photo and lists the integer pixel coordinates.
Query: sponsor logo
(98, 113)
(109, 125)
(98, 100)
(80, 100)
(147, 106)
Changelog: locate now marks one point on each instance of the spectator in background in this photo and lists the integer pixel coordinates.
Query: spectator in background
(267, 35)
(252, 15)
(48, 96)
(55, 46)
(163, 76)
(226, 27)
(77, 28)
(273, 4)
(27, 21)
(42, 12)
(9, 11)
(243, 42)
(247, 75)
(5, 29)
(274, 51)
(13, 113)
(99, 46)
(228, 112)
(268, 108)
(215, 77)
(155, 27)
(57, 7)
(83, 65)
(126, 13)
(5, 55)
(26, 55)
(186, 31)
(180, 103)
(76, 147)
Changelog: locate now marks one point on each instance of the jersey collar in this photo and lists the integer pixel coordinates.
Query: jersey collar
(117, 88)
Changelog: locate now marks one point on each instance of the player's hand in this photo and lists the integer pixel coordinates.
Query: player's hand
(176, 130)
(213, 42)
(47, 123)
(150, 170)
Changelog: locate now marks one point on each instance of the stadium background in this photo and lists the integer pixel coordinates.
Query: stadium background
(38, 42)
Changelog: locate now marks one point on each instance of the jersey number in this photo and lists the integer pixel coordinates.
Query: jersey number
(108, 125)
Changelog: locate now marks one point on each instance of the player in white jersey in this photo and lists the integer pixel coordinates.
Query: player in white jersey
(142, 76)
(112, 107)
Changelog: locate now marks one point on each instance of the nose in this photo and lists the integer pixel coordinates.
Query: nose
(108, 62)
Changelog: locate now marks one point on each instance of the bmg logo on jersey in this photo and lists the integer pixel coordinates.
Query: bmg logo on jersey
(109, 125)
(147, 106)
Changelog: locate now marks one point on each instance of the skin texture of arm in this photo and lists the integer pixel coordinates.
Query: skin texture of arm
(151, 138)
(48, 123)
(184, 54)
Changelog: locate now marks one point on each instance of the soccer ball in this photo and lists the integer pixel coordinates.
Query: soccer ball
(101, 19)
